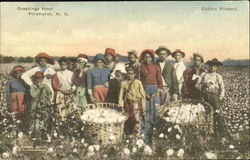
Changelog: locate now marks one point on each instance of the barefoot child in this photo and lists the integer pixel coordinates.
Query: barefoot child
(39, 110)
(132, 98)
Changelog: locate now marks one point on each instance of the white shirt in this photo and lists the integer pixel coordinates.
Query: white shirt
(179, 69)
(217, 82)
(162, 64)
(118, 66)
(65, 79)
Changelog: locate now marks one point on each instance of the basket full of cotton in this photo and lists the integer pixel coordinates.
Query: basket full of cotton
(189, 112)
(104, 123)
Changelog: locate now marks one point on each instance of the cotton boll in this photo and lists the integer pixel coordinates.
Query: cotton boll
(126, 151)
(231, 146)
(139, 143)
(148, 150)
(177, 136)
(161, 135)
(180, 153)
(170, 152)
(91, 149)
(134, 149)
(97, 147)
(210, 155)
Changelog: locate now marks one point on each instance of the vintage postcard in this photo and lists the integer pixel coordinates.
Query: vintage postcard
(124, 80)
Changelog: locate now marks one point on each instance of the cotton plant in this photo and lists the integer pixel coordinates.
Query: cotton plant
(172, 138)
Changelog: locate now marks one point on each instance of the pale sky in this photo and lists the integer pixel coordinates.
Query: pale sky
(93, 26)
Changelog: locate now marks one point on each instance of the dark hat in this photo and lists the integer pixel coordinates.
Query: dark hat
(83, 57)
(198, 55)
(38, 74)
(45, 55)
(214, 62)
(18, 68)
(63, 59)
(178, 51)
(72, 59)
(163, 48)
(133, 52)
(100, 56)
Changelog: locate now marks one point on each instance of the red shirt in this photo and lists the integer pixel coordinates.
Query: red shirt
(151, 74)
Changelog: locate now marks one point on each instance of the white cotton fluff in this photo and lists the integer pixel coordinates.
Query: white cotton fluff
(184, 114)
(102, 115)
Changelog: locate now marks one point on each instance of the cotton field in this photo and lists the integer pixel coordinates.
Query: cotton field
(171, 140)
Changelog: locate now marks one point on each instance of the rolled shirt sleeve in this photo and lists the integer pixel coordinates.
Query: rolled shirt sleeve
(221, 86)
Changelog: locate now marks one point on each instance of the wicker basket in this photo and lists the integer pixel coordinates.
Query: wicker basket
(203, 121)
(104, 134)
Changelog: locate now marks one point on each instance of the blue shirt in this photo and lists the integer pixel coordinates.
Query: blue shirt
(17, 85)
(96, 76)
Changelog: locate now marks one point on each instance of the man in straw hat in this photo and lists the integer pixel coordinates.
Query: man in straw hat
(42, 59)
(134, 62)
(170, 84)
(179, 67)
(213, 91)
(191, 75)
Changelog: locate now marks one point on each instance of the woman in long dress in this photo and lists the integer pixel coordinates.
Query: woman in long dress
(152, 82)
(79, 80)
(64, 89)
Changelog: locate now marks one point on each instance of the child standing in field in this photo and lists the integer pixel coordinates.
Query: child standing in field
(132, 98)
(16, 90)
(40, 108)
(114, 87)
(64, 89)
